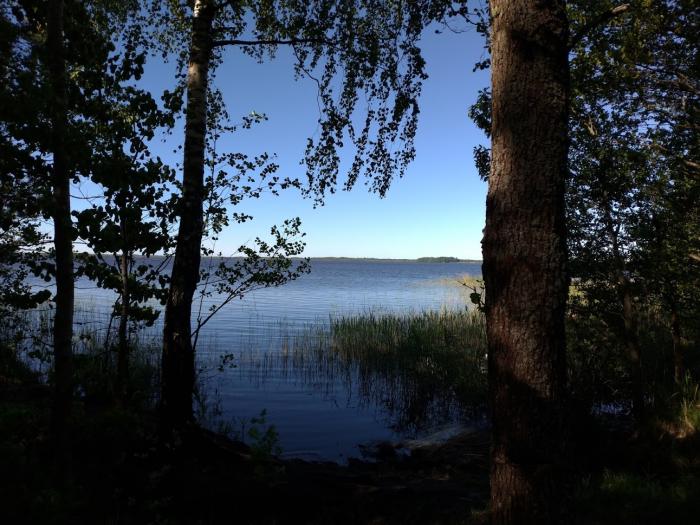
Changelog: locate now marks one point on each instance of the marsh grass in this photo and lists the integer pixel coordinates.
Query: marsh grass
(433, 348)
(424, 369)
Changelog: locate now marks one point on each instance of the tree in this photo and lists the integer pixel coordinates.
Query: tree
(668, 59)
(63, 233)
(129, 220)
(631, 205)
(524, 251)
(609, 176)
(631, 187)
(124, 232)
(58, 50)
(21, 238)
(361, 42)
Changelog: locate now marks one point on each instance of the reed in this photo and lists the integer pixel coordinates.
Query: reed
(435, 348)
(423, 368)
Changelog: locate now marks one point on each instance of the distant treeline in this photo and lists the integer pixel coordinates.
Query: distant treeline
(420, 259)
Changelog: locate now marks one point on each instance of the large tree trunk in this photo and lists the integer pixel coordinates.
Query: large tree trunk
(178, 356)
(524, 253)
(63, 242)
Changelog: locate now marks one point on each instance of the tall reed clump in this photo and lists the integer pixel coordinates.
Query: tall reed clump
(414, 362)
(440, 348)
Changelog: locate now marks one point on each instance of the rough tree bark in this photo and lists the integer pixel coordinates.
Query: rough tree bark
(63, 240)
(178, 373)
(524, 253)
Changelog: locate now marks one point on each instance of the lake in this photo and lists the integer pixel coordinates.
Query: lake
(318, 415)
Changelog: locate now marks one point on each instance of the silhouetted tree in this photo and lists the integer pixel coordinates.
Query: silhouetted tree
(62, 234)
(131, 214)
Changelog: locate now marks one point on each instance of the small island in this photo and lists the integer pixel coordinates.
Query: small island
(444, 260)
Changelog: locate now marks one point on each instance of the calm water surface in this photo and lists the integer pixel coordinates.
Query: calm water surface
(317, 416)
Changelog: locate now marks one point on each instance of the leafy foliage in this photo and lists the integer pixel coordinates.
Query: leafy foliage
(632, 201)
(364, 59)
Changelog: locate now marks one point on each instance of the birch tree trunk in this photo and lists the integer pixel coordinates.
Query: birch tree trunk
(524, 253)
(178, 374)
(63, 241)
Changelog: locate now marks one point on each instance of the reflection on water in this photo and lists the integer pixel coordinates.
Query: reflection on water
(322, 401)
(331, 386)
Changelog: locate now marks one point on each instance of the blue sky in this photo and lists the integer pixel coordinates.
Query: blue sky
(436, 209)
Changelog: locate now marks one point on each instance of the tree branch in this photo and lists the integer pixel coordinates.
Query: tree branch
(271, 42)
(597, 21)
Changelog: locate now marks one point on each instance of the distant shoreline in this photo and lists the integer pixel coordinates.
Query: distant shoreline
(441, 260)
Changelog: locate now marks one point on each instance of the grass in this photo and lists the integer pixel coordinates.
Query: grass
(434, 348)
(648, 474)
(689, 407)
(623, 496)
(423, 368)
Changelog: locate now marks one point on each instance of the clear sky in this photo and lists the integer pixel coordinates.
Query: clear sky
(436, 209)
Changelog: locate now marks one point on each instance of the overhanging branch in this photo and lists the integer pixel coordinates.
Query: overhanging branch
(597, 21)
(271, 42)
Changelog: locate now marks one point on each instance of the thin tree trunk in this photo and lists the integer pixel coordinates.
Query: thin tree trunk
(630, 323)
(123, 334)
(631, 341)
(524, 251)
(63, 242)
(677, 338)
(178, 356)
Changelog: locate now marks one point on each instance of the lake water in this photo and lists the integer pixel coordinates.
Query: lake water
(317, 415)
